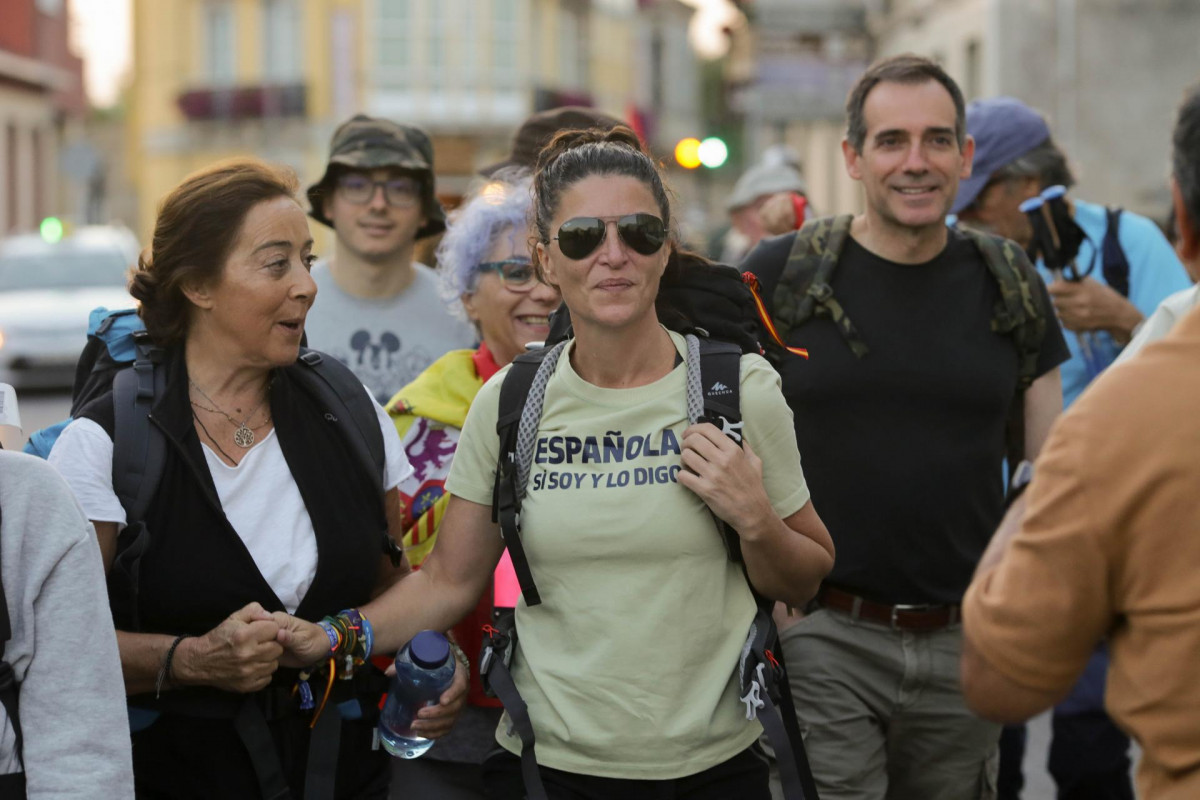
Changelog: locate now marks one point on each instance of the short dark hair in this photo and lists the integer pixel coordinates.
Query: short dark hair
(907, 69)
(1186, 158)
(197, 226)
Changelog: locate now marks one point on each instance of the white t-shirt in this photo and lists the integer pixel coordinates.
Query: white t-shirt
(259, 496)
(1160, 323)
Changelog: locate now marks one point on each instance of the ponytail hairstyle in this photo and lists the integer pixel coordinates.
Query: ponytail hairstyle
(572, 156)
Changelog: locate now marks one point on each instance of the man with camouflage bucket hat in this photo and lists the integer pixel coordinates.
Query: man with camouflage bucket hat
(379, 310)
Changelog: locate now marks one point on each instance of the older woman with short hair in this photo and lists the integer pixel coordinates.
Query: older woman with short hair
(261, 506)
(488, 278)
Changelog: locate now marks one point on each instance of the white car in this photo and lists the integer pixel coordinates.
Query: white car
(47, 291)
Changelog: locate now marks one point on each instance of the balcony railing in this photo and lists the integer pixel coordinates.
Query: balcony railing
(244, 102)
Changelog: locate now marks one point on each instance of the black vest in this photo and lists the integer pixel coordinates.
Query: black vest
(196, 571)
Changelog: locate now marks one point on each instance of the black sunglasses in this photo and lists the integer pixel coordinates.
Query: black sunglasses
(580, 236)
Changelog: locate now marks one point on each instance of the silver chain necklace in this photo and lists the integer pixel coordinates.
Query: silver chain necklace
(243, 437)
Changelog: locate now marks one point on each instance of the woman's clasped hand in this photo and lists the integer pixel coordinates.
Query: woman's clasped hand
(301, 644)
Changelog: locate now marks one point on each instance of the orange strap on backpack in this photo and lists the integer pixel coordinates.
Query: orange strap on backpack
(751, 280)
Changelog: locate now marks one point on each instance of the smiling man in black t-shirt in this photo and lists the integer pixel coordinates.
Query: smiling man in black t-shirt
(903, 448)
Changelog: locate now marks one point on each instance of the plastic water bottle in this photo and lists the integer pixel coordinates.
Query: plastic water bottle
(424, 670)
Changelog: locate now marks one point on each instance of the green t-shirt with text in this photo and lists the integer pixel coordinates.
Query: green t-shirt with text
(629, 664)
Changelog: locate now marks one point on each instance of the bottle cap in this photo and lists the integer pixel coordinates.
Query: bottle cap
(429, 649)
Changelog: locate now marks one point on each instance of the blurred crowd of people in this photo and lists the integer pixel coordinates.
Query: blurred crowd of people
(1010, 491)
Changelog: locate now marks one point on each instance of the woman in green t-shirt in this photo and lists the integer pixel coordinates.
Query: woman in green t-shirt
(629, 664)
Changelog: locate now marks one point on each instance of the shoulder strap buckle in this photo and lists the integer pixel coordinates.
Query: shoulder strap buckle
(819, 291)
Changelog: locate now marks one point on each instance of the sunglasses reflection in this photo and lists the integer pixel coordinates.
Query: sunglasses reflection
(580, 236)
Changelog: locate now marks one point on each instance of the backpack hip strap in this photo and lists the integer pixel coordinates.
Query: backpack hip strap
(251, 727)
(764, 685)
(494, 661)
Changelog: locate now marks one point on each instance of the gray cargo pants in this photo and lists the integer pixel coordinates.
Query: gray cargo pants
(882, 712)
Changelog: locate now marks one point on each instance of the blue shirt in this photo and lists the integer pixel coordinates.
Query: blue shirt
(1154, 273)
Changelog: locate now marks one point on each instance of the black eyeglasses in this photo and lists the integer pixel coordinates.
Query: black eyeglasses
(359, 189)
(580, 236)
(517, 274)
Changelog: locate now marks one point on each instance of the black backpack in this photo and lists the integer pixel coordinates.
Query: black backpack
(13, 784)
(716, 308)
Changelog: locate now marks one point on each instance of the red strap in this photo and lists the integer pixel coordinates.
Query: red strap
(800, 207)
(485, 362)
(751, 280)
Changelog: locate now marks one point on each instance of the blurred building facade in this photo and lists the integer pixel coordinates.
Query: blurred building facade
(273, 78)
(1108, 74)
(41, 97)
(789, 75)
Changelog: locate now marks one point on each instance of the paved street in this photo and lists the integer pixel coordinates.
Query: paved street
(1038, 785)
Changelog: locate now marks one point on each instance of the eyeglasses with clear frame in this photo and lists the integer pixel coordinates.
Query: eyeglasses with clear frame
(517, 274)
(359, 189)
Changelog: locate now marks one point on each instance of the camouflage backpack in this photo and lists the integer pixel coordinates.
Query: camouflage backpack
(805, 291)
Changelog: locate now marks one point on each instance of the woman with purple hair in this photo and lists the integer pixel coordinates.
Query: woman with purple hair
(488, 279)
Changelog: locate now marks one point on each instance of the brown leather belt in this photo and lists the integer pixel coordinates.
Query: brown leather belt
(899, 617)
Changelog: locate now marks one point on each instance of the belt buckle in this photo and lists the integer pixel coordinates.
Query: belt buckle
(899, 607)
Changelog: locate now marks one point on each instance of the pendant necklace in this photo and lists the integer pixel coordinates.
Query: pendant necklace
(243, 437)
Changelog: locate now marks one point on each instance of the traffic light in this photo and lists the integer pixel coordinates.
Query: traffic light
(687, 153)
(51, 230)
(691, 153)
(713, 152)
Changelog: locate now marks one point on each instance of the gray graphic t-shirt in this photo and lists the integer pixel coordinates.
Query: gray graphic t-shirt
(387, 342)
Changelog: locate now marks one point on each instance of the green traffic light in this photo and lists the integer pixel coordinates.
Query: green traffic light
(713, 152)
(51, 230)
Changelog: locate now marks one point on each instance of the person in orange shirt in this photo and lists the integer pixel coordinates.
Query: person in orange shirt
(1104, 545)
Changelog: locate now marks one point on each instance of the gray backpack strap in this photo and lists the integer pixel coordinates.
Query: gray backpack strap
(521, 398)
(140, 448)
